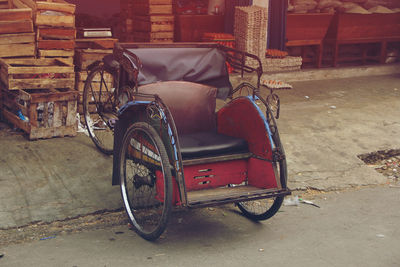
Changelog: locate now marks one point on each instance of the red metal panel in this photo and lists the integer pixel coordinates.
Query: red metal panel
(214, 175)
(261, 174)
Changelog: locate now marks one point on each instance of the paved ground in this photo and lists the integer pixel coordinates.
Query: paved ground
(324, 125)
(356, 228)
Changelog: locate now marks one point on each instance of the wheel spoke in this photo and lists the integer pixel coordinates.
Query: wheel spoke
(145, 180)
(98, 108)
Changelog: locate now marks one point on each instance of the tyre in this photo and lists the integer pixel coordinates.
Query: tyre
(145, 180)
(99, 107)
(263, 209)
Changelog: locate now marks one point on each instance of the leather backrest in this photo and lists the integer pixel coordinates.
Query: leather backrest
(192, 105)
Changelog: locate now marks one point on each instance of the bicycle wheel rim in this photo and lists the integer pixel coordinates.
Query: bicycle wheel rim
(98, 108)
(146, 189)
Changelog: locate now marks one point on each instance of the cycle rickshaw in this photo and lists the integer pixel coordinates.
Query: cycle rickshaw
(172, 149)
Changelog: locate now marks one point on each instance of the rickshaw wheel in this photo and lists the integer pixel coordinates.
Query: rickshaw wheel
(145, 180)
(99, 107)
(263, 209)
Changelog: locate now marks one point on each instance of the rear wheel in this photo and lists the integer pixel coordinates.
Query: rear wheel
(263, 209)
(145, 180)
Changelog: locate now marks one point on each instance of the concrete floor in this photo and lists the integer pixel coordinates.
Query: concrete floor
(324, 125)
(358, 228)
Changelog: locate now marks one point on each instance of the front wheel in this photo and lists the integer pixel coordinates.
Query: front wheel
(145, 180)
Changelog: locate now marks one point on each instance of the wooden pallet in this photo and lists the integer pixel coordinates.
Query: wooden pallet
(50, 112)
(36, 74)
(17, 45)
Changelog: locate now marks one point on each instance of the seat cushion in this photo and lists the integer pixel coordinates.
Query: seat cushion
(209, 144)
(192, 105)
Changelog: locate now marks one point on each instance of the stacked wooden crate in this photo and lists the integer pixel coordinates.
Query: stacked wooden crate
(17, 38)
(87, 52)
(38, 96)
(147, 21)
(83, 59)
(55, 29)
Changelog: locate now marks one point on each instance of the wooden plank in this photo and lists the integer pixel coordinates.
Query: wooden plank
(57, 5)
(39, 70)
(31, 62)
(85, 57)
(14, 119)
(71, 113)
(17, 38)
(96, 43)
(15, 84)
(55, 21)
(57, 114)
(143, 9)
(153, 23)
(16, 26)
(154, 35)
(155, 18)
(30, 3)
(15, 14)
(19, 4)
(154, 2)
(56, 33)
(70, 95)
(17, 50)
(55, 53)
(56, 44)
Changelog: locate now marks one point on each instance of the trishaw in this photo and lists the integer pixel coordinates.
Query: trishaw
(171, 148)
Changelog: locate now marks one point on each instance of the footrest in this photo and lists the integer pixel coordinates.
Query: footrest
(214, 196)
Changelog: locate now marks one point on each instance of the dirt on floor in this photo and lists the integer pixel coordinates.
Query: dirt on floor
(386, 162)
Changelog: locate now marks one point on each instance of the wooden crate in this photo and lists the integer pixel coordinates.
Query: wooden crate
(86, 57)
(56, 44)
(146, 8)
(66, 56)
(95, 43)
(17, 45)
(36, 74)
(81, 77)
(55, 13)
(155, 23)
(16, 17)
(50, 113)
(46, 33)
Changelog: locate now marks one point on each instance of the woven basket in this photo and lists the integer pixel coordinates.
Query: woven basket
(250, 30)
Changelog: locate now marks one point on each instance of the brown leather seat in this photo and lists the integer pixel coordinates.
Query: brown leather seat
(192, 105)
(193, 108)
